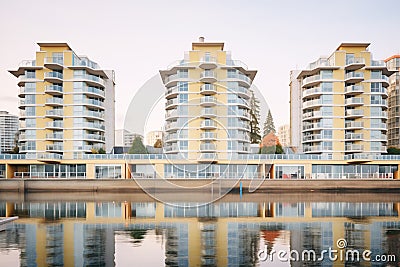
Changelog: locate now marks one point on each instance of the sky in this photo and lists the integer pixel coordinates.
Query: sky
(138, 38)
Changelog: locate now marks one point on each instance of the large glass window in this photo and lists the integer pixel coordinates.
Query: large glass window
(183, 86)
(30, 111)
(289, 172)
(30, 87)
(30, 99)
(326, 74)
(30, 74)
(30, 123)
(183, 73)
(108, 171)
(145, 170)
(183, 98)
(376, 74)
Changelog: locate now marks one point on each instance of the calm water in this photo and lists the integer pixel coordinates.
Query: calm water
(231, 232)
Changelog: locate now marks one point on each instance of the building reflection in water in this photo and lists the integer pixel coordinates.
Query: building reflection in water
(218, 234)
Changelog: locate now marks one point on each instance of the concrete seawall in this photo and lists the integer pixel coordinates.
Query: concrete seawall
(182, 186)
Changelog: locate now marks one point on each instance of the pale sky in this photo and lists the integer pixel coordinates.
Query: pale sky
(138, 38)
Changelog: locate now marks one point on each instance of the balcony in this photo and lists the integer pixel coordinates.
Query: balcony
(91, 80)
(354, 125)
(354, 77)
(23, 91)
(382, 79)
(208, 101)
(172, 80)
(171, 114)
(94, 137)
(312, 92)
(244, 115)
(55, 125)
(382, 114)
(93, 91)
(93, 114)
(53, 101)
(208, 124)
(312, 115)
(381, 102)
(208, 89)
(54, 113)
(379, 126)
(353, 136)
(354, 63)
(241, 137)
(354, 148)
(55, 136)
(171, 126)
(171, 103)
(22, 79)
(53, 89)
(54, 63)
(208, 136)
(313, 149)
(236, 64)
(312, 103)
(312, 138)
(208, 157)
(94, 103)
(208, 147)
(58, 148)
(312, 80)
(243, 126)
(208, 113)
(172, 148)
(354, 89)
(171, 137)
(172, 92)
(91, 125)
(381, 91)
(53, 77)
(208, 62)
(312, 126)
(242, 79)
(354, 101)
(354, 113)
(208, 76)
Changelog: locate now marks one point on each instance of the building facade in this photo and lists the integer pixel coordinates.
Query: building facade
(344, 103)
(66, 103)
(8, 131)
(295, 110)
(207, 107)
(153, 136)
(284, 135)
(125, 138)
(393, 63)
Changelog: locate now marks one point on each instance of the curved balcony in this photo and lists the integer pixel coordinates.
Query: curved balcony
(173, 137)
(384, 80)
(354, 90)
(93, 103)
(208, 62)
(243, 115)
(312, 115)
(93, 91)
(312, 126)
(54, 63)
(172, 92)
(353, 137)
(382, 114)
(312, 80)
(55, 148)
(208, 89)
(22, 79)
(53, 77)
(94, 138)
(379, 126)
(171, 149)
(208, 76)
(208, 101)
(53, 89)
(24, 91)
(354, 101)
(382, 102)
(54, 113)
(208, 113)
(354, 77)
(312, 138)
(354, 113)
(241, 137)
(55, 137)
(354, 63)
(354, 125)
(312, 104)
(92, 126)
(243, 126)
(58, 125)
(242, 79)
(208, 157)
(376, 65)
(313, 149)
(243, 92)
(54, 102)
(208, 124)
(208, 147)
(312, 92)
(171, 103)
(241, 103)
(171, 114)
(93, 114)
(172, 80)
(91, 80)
(208, 136)
(354, 148)
(380, 91)
(172, 126)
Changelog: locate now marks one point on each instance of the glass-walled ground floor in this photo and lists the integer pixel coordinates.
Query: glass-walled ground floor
(168, 170)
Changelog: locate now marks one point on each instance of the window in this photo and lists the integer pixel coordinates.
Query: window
(231, 73)
(376, 74)
(232, 98)
(108, 171)
(327, 99)
(182, 86)
(183, 145)
(30, 87)
(326, 87)
(183, 98)
(30, 123)
(30, 99)
(326, 74)
(30, 74)
(30, 111)
(376, 87)
(183, 73)
(349, 58)
(327, 111)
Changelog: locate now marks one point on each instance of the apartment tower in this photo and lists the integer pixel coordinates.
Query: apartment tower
(344, 103)
(207, 107)
(8, 131)
(66, 104)
(393, 63)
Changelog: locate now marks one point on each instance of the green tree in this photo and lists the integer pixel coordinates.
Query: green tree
(102, 151)
(393, 151)
(137, 146)
(269, 126)
(255, 136)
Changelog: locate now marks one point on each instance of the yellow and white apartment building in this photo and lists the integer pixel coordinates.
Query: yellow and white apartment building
(344, 103)
(66, 104)
(207, 104)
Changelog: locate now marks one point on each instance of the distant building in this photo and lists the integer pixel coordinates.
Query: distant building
(66, 102)
(152, 136)
(295, 110)
(124, 138)
(284, 135)
(8, 131)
